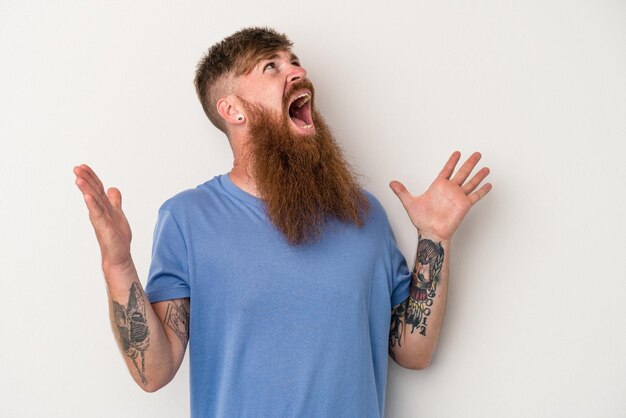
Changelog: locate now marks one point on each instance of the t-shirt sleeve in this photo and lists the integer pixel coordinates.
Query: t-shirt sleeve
(168, 277)
(401, 276)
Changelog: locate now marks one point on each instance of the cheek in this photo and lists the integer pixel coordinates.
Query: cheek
(267, 101)
(264, 91)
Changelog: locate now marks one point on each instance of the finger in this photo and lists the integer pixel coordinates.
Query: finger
(88, 189)
(98, 190)
(93, 175)
(402, 193)
(448, 169)
(99, 220)
(475, 180)
(82, 173)
(115, 197)
(480, 193)
(466, 168)
(95, 210)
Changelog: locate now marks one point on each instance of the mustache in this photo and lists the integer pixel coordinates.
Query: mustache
(298, 85)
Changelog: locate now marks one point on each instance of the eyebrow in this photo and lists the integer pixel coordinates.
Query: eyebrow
(294, 57)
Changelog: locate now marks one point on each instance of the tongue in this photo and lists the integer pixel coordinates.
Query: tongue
(298, 122)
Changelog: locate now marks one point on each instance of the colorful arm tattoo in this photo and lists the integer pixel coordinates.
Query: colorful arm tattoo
(416, 309)
(424, 279)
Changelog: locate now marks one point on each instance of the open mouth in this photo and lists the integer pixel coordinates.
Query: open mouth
(300, 112)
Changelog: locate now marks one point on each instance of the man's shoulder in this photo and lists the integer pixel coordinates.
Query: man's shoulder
(192, 197)
(376, 208)
(372, 199)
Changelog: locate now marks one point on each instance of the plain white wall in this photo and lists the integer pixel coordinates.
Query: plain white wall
(535, 321)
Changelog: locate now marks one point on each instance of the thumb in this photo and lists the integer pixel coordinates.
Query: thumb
(402, 193)
(115, 197)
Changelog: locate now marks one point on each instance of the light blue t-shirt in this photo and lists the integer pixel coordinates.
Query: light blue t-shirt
(278, 330)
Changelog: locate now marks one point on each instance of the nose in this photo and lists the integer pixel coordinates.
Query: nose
(296, 73)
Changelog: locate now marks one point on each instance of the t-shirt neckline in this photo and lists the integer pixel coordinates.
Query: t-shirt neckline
(239, 193)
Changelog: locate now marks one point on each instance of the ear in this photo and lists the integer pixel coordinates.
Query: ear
(229, 107)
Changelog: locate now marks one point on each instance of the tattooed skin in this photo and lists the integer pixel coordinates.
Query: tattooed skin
(424, 278)
(177, 318)
(397, 326)
(416, 309)
(132, 327)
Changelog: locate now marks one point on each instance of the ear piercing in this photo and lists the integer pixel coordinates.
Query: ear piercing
(239, 117)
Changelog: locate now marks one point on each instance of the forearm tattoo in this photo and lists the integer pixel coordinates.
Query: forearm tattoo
(132, 328)
(177, 318)
(424, 278)
(416, 309)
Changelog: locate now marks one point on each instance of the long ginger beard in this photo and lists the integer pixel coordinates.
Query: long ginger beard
(303, 180)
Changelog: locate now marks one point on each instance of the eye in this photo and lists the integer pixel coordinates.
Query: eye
(296, 63)
(270, 65)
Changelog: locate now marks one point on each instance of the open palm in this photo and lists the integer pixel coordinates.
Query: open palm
(441, 209)
(106, 215)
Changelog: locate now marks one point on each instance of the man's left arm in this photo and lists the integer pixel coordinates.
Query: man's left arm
(415, 323)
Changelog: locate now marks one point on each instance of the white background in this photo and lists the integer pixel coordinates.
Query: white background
(535, 325)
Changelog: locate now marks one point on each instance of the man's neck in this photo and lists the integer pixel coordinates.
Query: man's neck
(240, 176)
(242, 164)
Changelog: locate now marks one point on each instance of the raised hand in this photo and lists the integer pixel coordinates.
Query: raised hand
(106, 216)
(440, 210)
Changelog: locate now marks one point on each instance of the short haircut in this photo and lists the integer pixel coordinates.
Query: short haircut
(233, 56)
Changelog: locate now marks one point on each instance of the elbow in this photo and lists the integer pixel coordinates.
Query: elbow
(151, 387)
(157, 377)
(419, 365)
(416, 363)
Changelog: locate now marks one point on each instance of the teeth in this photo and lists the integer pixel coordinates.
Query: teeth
(305, 98)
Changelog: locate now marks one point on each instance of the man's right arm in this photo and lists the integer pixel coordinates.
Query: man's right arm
(152, 338)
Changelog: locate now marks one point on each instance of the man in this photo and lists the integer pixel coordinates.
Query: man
(282, 273)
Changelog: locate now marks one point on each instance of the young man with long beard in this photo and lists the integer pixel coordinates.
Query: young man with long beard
(283, 274)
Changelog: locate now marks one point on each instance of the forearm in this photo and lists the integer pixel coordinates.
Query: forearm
(138, 330)
(436, 214)
(416, 321)
(137, 325)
